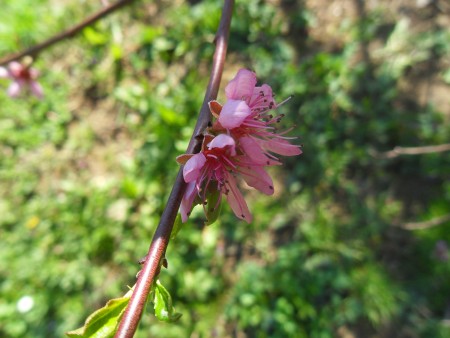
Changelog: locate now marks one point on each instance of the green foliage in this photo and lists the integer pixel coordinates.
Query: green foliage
(164, 309)
(85, 173)
(103, 322)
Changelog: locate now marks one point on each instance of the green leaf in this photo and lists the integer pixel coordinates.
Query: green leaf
(103, 322)
(164, 309)
(177, 225)
(213, 207)
(95, 37)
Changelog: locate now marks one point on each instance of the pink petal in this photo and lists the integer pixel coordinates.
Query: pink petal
(192, 168)
(257, 178)
(3, 72)
(34, 73)
(36, 89)
(262, 97)
(188, 199)
(280, 146)
(233, 113)
(241, 87)
(14, 89)
(15, 68)
(252, 150)
(222, 141)
(237, 201)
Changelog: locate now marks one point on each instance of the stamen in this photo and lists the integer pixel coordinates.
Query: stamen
(286, 100)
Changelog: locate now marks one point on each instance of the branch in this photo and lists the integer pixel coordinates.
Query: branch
(70, 33)
(397, 151)
(130, 319)
(427, 224)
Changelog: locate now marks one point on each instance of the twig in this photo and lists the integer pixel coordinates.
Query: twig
(397, 151)
(427, 224)
(70, 33)
(131, 317)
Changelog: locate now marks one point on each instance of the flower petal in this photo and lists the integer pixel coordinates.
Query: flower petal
(192, 168)
(188, 199)
(14, 89)
(257, 178)
(15, 68)
(36, 89)
(34, 73)
(252, 150)
(280, 146)
(262, 97)
(3, 72)
(233, 113)
(241, 87)
(237, 201)
(222, 141)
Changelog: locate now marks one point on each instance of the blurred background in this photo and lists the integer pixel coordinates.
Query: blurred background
(354, 243)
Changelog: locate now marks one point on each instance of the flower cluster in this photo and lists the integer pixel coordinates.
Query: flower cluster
(241, 142)
(23, 76)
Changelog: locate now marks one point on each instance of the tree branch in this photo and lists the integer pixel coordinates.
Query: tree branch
(130, 319)
(397, 151)
(70, 33)
(427, 224)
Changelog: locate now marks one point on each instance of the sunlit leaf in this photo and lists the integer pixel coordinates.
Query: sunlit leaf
(103, 322)
(164, 309)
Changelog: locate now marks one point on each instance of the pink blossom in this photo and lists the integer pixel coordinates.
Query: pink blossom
(246, 116)
(245, 141)
(212, 169)
(243, 87)
(23, 77)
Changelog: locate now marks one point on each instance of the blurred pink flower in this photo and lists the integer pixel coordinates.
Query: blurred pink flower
(23, 77)
(245, 115)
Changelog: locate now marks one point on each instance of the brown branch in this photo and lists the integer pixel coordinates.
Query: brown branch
(427, 224)
(130, 319)
(397, 151)
(70, 33)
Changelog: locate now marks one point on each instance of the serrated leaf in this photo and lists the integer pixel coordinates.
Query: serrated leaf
(103, 322)
(177, 225)
(164, 309)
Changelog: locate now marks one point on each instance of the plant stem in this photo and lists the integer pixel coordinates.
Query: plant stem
(69, 33)
(397, 151)
(427, 224)
(160, 241)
